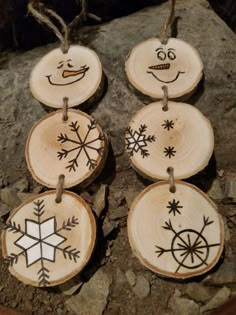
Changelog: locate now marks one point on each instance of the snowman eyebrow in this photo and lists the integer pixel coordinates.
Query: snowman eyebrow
(69, 60)
(171, 49)
(160, 48)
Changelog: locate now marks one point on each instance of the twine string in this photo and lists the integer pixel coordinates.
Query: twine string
(170, 171)
(65, 109)
(168, 22)
(43, 15)
(165, 98)
(59, 189)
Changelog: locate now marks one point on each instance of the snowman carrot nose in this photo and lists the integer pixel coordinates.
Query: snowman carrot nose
(163, 66)
(70, 73)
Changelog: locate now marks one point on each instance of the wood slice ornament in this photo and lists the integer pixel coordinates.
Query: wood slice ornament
(41, 236)
(76, 75)
(177, 235)
(181, 137)
(76, 148)
(151, 64)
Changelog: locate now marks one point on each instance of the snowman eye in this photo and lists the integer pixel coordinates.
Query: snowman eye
(171, 55)
(59, 67)
(69, 65)
(161, 55)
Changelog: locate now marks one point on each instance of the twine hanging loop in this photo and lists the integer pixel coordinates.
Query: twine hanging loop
(170, 171)
(168, 22)
(165, 98)
(60, 187)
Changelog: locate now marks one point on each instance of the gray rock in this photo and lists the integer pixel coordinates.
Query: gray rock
(183, 306)
(24, 196)
(230, 187)
(130, 195)
(216, 191)
(4, 209)
(118, 213)
(71, 286)
(8, 195)
(22, 185)
(198, 292)
(225, 275)
(92, 298)
(218, 299)
(131, 277)
(100, 199)
(141, 287)
(108, 226)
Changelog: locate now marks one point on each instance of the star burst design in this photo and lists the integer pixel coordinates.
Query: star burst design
(86, 145)
(136, 141)
(174, 207)
(168, 124)
(189, 248)
(169, 151)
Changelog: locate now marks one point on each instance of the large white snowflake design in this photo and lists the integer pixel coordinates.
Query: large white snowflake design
(136, 141)
(81, 144)
(40, 240)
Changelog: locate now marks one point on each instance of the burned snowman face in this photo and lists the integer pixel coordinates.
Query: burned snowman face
(67, 73)
(76, 75)
(151, 65)
(161, 71)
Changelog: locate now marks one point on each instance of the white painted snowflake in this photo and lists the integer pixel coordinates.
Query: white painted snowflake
(137, 140)
(40, 240)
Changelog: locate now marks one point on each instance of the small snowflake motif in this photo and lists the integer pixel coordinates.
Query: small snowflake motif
(174, 207)
(136, 141)
(81, 144)
(169, 151)
(40, 241)
(168, 124)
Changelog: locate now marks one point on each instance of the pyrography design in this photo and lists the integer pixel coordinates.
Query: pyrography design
(168, 124)
(40, 240)
(81, 144)
(169, 151)
(170, 55)
(137, 141)
(189, 248)
(174, 207)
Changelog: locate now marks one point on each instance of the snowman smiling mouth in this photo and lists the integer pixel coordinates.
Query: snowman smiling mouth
(163, 66)
(78, 74)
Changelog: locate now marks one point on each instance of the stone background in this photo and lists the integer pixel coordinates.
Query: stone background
(116, 283)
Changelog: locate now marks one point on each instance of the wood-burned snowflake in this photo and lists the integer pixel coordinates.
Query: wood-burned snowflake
(81, 144)
(137, 141)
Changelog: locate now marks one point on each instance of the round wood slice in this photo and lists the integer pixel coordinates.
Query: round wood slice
(76, 75)
(76, 148)
(46, 243)
(151, 65)
(181, 137)
(177, 235)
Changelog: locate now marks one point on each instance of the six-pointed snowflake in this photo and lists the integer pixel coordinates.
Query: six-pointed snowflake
(168, 124)
(84, 144)
(174, 207)
(136, 141)
(189, 248)
(169, 151)
(40, 241)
